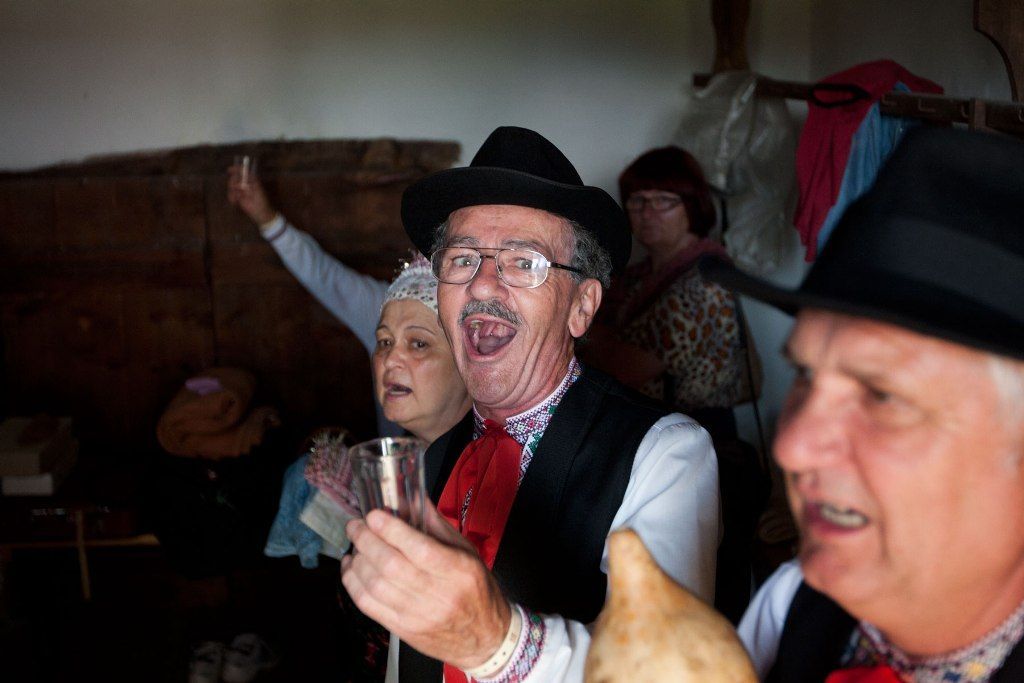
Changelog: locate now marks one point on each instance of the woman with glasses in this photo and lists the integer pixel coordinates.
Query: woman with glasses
(666, 331)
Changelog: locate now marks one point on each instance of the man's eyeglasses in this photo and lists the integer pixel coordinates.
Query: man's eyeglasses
(516, 267)
(635, 204)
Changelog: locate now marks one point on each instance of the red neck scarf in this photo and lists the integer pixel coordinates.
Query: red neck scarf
(487, 475)
(864, 674)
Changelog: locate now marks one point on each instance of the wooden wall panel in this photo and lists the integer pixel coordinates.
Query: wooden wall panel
(122, 276)
(32, 352)
(167, 338)
(308, 363)
(65, 352)
(26, 212)
(110, 354)
(146, 230)
(154, 213)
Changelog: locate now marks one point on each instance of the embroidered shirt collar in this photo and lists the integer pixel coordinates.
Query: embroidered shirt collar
(974, 663)
(528, 427)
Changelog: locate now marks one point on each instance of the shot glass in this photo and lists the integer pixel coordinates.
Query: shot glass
(388, 475)
(247, 169)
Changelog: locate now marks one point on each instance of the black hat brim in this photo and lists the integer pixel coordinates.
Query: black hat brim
(791, 301)
(429, 202)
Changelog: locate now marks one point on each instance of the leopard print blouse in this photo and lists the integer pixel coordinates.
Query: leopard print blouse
(692, 327)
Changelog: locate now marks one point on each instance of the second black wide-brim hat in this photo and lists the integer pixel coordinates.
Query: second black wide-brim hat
(520, 167)
(935, 246)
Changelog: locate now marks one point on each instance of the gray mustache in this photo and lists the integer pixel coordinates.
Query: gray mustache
(492, 308)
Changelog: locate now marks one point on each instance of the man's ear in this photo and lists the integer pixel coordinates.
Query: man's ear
(584, 307)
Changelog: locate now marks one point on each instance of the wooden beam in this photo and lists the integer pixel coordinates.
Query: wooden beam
(1007, 117)
(1002, 22)
(730, 18)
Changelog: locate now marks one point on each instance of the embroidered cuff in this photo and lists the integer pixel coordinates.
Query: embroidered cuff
(527, 652)
(273, 228)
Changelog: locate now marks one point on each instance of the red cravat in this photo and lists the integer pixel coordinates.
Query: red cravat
(864, 674)
(489, 467)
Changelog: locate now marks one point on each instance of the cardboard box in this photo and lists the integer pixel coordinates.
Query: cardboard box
(45, 484)
(33, 445)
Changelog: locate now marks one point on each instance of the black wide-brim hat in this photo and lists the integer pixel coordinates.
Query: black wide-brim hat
(520, 167)
(935, 246)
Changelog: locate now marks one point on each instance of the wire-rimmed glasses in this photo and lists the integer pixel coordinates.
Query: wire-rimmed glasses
(516, 267)
(663, 202)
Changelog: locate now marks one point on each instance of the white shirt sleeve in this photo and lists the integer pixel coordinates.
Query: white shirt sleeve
(353, 298)
(762, 623)
(672, 502)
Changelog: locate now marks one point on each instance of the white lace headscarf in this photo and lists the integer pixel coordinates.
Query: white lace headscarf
(414, 281)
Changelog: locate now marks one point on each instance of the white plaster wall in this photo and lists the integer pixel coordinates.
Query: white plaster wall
(933, 38)
(603, 79)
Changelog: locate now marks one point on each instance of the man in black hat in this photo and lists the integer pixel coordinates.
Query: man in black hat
(553, 455)
(902, 439)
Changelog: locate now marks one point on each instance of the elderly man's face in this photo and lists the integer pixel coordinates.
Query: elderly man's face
(903, 470)
(513, 355)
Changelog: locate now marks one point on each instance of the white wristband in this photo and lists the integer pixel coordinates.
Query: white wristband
(504, 652)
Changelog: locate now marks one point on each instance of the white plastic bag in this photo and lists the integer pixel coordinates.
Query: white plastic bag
(747, 148)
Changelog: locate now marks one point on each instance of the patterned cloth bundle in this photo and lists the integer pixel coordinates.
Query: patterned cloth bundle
(330, 470)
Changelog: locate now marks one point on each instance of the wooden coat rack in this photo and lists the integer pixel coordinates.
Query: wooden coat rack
(1001, 21)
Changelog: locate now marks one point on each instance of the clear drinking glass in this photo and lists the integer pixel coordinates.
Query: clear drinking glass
(247, 169)
(387, 474)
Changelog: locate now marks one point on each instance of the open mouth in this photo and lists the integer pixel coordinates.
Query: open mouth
(488, 337)
(396, 390)
(844, 518)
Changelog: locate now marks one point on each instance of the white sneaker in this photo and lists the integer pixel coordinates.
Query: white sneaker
(247, 656)
(205, 664)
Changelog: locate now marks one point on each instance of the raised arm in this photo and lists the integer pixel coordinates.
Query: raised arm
(351, 297)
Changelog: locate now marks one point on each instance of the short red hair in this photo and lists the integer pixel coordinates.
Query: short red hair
(672, 169)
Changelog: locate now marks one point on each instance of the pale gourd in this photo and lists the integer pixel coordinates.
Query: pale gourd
(653, 629)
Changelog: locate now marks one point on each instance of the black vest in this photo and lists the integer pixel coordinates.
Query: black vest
(550, 554)
(816, 634)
